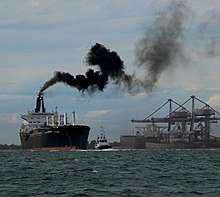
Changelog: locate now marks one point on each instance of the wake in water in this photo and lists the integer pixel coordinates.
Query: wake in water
(96, 150)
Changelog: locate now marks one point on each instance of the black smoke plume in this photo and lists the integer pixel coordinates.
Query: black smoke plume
(161, 43)
(155, 52)
(110, 65)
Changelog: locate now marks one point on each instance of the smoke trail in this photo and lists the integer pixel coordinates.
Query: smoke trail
(155, 52)
(208, 30)
(161, 43)
(110, 67)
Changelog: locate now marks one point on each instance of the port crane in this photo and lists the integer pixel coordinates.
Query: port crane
(195, 121)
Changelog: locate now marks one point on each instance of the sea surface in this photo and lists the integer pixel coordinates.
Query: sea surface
(110, 173)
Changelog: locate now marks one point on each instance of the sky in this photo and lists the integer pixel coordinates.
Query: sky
(39, 37)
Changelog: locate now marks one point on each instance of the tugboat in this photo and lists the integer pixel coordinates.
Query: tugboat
(101, 142)
(42, 130)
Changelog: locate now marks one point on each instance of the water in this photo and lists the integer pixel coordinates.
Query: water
(110, 173)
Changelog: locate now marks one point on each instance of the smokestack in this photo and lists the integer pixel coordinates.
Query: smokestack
(42, 105)
(38, 104)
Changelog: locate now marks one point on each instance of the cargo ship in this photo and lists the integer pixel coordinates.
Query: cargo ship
(42, 130)
(186, 125)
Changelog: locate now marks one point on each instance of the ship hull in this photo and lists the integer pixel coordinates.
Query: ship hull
(103, 147)
(66, 137)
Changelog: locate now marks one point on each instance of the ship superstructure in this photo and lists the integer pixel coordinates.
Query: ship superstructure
(49, 130)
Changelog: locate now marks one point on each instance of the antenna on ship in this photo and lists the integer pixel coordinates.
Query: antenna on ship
(73, 118)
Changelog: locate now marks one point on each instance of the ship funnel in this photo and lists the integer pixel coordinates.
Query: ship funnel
(40, 104)
(37, 109)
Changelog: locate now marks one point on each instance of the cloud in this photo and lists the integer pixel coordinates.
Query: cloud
(141, 95)
(216, 88)
(96, 114)
(14, 118)
(192, 87)
(16, 97)
(9, 118)
(6, 84)
(214, 101)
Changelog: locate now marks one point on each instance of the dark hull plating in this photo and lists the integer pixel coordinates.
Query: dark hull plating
(104, 147)
(59, 136)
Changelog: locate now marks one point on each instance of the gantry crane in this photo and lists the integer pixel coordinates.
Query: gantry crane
(196, 121)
